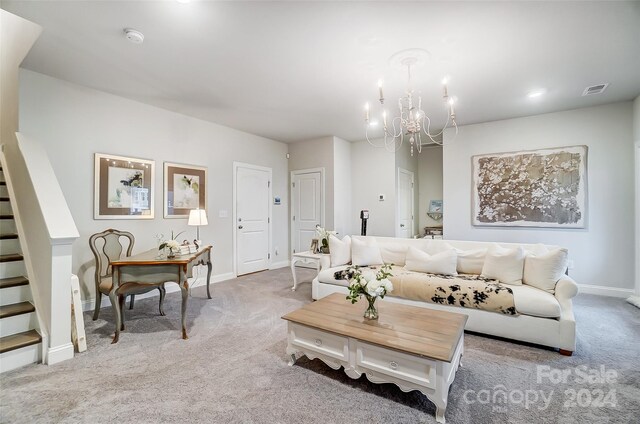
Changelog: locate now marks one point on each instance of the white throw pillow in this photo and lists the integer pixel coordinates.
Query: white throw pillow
(437, 246)
(365, 252)
(394, 253)
(339, 250)
(471, 261)
(505, 265)
(441, 263)
(542, 270)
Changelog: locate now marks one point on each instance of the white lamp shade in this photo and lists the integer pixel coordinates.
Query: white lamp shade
(197, 217)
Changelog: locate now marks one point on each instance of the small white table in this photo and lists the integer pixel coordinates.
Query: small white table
(320, 260)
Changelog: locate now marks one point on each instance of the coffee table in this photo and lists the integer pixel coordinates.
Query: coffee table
(411, 347)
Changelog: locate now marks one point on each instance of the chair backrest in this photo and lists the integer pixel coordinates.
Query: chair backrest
(107, 246)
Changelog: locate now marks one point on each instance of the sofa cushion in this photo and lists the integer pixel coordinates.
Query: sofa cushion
(365, 252)
(504, 265)
(471, 261)
(339, 250)
(535, 302)
(394, 253)
(544, 268)
(444, 263)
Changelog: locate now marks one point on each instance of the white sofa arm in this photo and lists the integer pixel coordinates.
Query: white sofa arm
(566, 288)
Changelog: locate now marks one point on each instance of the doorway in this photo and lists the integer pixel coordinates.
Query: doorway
(404, 212)
(307, 207)
(251, 218)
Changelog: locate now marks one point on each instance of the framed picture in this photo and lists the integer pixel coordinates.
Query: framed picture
(435, 206)
(123, 187)
(185, 188)
(539, 188)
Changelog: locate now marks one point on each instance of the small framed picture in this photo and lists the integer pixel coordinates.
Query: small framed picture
(276, 200)
(435, 206)
(123, 187)
(314, 248)
(185, 188)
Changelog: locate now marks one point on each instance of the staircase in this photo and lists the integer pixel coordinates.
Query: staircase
(20, 341)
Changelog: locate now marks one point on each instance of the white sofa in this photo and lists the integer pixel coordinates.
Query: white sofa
(544, 318)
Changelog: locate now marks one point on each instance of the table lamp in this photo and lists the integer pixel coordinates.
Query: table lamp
(197, 217)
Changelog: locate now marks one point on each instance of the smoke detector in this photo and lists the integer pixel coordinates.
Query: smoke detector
(595, 89)
(136, 37)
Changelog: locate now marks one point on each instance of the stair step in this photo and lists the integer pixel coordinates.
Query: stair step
(6, 217)
(21, 308)
(20, 340)
(8, 236)
(3, 183)
(12, 257)
(5, 283)
(4, 199)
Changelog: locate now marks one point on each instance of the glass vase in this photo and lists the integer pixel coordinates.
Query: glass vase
(371, 312)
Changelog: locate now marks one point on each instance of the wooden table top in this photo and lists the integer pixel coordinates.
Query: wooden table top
(410, 329)
(150, 257)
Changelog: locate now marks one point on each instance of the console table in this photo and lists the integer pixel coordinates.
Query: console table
(320, 260)
(411, 347)
(148, 268)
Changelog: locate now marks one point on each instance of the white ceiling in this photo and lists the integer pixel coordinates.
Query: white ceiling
(297, 70)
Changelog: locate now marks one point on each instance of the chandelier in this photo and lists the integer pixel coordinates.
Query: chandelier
(412, 122)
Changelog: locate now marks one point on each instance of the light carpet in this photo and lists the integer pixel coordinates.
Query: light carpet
(233, 369)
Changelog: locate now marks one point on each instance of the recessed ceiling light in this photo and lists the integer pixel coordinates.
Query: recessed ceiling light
(134, 36)
(536, 93)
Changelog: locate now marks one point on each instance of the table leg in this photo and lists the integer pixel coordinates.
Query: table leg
(293, 272)
(209, 277)
(115, 304)
(184, 287)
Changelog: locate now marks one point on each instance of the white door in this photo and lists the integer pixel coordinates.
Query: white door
(252, 218)
(405, 204)
(306, 207)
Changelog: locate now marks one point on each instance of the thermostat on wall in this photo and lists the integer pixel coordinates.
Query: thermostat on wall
(381, 197)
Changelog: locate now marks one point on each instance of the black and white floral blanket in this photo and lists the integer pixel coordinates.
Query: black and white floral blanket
(464, 290)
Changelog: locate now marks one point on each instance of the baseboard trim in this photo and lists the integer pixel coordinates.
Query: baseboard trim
(605, 291)
(281, 264)
(60, 353)
(89, 305)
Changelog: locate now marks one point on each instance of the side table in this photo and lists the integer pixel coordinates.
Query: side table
(321, 260)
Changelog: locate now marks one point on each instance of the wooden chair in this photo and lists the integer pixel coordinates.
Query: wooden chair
(111, 250)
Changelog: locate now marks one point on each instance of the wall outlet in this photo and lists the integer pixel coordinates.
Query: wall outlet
(222, 213)
(570, 264)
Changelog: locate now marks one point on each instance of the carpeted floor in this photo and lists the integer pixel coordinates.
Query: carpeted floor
(233, 369)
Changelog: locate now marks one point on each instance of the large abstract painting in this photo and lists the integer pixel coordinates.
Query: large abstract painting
(541, 188)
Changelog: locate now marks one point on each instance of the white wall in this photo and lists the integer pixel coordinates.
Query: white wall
(603, 252)
(430, 177)
(636, 137)
(372, 173)
(74, 122)
(342, 187)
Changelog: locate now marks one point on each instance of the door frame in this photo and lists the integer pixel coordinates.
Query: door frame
(237, 165)
(413, 200)
(322, 199)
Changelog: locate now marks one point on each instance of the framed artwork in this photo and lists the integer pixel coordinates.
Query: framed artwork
(123, 187)
(435, 206)
(185, 188)
(539, 188)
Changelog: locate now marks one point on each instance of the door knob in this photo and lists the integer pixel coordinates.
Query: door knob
(401, 225)
(240, 227)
